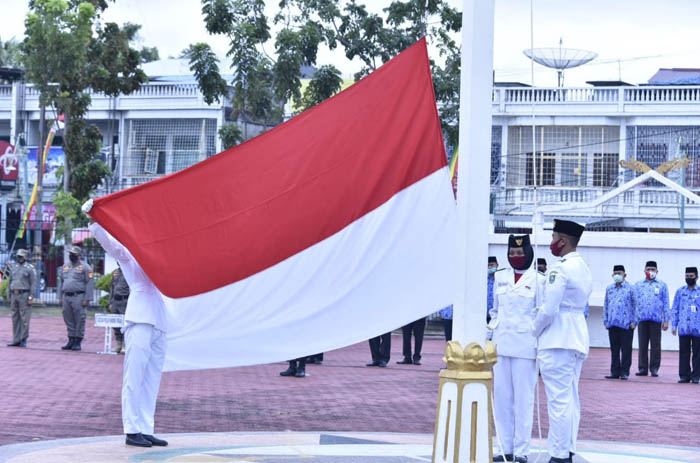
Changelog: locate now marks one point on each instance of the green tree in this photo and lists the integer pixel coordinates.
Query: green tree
(230, 135)
(10, 53)
(149, 54)
(304, 25)
(326, 82)
(66, 53)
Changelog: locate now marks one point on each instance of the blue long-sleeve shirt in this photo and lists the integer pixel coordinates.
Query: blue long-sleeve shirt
(685, 314)
(489, 296)
(620, 308)
(652, 301)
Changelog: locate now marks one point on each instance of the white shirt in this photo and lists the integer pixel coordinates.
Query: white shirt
(560, 323)
(512, 314)
(145, 304)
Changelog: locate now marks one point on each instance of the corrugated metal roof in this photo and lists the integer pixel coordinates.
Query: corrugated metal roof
(667, 76)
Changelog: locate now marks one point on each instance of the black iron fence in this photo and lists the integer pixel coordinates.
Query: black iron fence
(47, 255)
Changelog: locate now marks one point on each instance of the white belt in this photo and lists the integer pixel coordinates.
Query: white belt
(571, 308)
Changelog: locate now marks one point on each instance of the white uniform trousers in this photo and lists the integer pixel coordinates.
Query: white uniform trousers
(561, 370)
(514, 382)
(143, 366)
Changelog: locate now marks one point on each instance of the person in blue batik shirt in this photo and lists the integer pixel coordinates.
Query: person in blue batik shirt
(492, 269)
(685, 321)
(620, 318)
(446, 315)
(654, 314)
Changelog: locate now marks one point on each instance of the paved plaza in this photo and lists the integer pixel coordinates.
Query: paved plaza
(342, 412)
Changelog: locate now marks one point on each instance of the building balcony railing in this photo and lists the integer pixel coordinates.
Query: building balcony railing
(153, 95)
(519, 100)
(649, 201)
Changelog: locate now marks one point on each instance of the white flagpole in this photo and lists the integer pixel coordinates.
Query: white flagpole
(474, 171)
(463, 419)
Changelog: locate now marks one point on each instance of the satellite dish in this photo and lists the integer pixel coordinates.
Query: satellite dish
(560, 58)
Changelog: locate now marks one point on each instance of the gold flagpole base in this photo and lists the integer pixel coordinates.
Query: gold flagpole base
(464, 422)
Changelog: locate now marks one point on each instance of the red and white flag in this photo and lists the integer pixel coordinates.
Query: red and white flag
(332, 228)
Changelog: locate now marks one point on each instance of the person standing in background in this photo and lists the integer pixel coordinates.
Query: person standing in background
(654, 314)
(620, 318)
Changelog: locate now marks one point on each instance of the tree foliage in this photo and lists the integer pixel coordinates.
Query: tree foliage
(10, 53)
(231, 135)
(326, 82)
(305, 25)
(66, 54)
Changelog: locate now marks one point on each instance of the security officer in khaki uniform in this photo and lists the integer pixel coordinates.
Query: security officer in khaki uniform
(75, 295)
(21, 287)
(118, 296)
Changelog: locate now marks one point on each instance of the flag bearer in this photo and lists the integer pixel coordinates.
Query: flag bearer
(515, 294)
(145, 341)
(562, 338)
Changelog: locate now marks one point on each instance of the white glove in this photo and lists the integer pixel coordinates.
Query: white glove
(87, 206)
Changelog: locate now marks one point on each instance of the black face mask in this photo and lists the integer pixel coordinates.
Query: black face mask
(690, 281)
(73, 258)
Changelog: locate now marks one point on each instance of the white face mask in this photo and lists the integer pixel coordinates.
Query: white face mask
(618, 278)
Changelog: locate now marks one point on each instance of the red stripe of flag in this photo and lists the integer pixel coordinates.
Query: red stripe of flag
(259, 203)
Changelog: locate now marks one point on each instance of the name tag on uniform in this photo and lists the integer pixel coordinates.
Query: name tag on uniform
(693, 308)
(657, 291)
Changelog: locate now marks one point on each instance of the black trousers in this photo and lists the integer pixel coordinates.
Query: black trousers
(417, 328)
(380, 347)
(687, 368)
(447, 325)
(621, 350)
(649, 333)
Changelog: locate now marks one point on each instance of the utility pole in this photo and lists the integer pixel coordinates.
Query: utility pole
(39, 210)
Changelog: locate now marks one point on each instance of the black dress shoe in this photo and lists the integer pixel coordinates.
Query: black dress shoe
(382, 364)
(301, 372)
(683, 380)
(137, 440)
(13, 344)
(641, 373)
(499, 458)
(695, 381)
(654, 373)
(405, 362)
(559, 460)
(23, 344)
(373, 364)
(291, 371)
(416, 361)
(155, 441)
(624, 377)
(610, 377)
(522, 459)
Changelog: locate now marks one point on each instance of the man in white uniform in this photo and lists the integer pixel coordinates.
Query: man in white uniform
(516, 291)
(145, 339)
(562, 338)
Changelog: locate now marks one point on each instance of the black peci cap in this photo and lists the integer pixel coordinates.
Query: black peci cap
(493, 260)
(541, 261)
(520, 241)
(691, 270)
(619, 268)
(652, 263)
(568, 227)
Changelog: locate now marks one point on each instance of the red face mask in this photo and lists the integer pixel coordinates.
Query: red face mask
(517, 262)
(556, 248)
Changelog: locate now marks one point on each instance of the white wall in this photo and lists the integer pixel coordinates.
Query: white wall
(602, 250)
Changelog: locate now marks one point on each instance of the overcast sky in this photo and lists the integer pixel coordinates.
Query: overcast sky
(633, 38)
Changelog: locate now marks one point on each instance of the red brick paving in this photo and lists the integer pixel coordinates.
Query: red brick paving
(46, 393)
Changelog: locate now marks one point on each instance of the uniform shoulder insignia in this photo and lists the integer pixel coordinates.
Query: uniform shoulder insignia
(79, 268)
(552, 276)
(115, 273)
(66, 268)
(89, 273)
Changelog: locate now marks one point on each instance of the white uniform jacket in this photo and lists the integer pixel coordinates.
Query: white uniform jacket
(512, 315)
(145, 304)
(560, 323)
